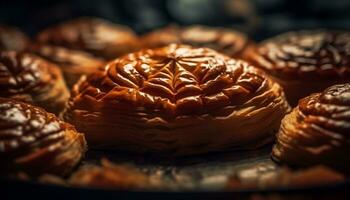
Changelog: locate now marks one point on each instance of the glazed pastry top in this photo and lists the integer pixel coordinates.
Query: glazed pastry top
(175, 80)
(316, 54)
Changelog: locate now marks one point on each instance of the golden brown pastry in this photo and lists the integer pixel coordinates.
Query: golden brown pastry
(177, 100)
(305, 62)
(111, 176)
(317, 130)
(36, 142)
(96, 36)
(12, 39)
(72, 63)
(226, 41)
(28, 78)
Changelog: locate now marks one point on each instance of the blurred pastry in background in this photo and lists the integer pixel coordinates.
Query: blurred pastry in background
(96, 36)
(72, 63)
(12, 39)
(304, 62)
(223, 40)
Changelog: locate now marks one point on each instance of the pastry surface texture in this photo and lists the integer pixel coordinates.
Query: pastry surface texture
(305, 62)
(30, 79)
(178, 100)
(316, 131)
(36, 142)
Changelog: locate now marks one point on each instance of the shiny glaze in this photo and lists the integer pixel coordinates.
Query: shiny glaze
(229, 42)
(31, 140)
(12, 39)
(21, 73)
(31, 79)
(93, 35)
(176, 100)
(316, 132)
(175, 79)
(317, 54)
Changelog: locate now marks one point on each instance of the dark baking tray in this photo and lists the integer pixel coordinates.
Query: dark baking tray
(195, 177)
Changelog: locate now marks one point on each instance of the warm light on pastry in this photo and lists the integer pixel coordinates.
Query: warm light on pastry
(29, 78)
(305, 62)
(177, 100)
(36, 142)
(223, 40)
(316, 131)
(96, 36)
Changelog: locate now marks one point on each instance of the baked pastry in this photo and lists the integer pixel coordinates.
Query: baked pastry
(316, 131)
(304, 62)
(12, 39)
(96, 36)
(176, 100)
(28, 78)
(111, 176)
(229, 42)
(35, 141)
(72, 63)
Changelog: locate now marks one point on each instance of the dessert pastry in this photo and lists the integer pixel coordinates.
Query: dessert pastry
(229, 42)
(72, 63)
(316, 131)
(12, 39)
(96, 36)
(36, 142)
(304, 62)
(111, 176)
(176, 100)
(31, 79)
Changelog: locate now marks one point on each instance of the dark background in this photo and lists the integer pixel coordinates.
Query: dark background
(258, 18)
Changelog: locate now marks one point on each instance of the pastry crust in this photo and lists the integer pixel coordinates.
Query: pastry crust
(28, 78)
(304, 62)
(177, 100)
(36, 142)
(226, 41)
(96, 36)
(316, 131)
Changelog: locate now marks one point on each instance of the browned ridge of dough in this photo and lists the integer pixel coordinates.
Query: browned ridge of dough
(31, 79)
(229, 42)
(304, 62)
(96, 36)
(173, 95)
(36, 142)
(316, 132)
(12, 39)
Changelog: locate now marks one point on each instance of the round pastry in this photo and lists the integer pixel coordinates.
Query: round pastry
(72, 63)
(12, 39)
(36, 142)
(229, 42)
(177, 100)
(305, 62)
(28, 78)
(317, 130)
(96, 36)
